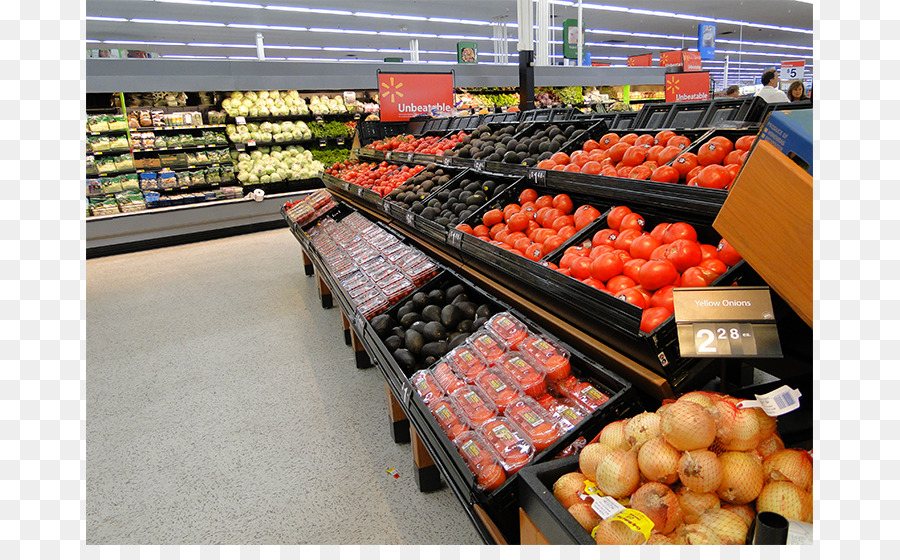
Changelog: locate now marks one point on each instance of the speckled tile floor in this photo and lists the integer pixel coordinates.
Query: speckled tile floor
(224, 408)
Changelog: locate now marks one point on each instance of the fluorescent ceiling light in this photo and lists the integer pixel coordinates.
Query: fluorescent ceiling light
(176, 22)
(255, 58)
(213, 3)
(309, 10)
(104, 18)
(348, 49)
(465, 37)
(405, 34)
(273, 27)
(389, 16)
(193, 56)
(462, 21)
(221, 45)
(92, 41)
(164, 43)
(347, 31)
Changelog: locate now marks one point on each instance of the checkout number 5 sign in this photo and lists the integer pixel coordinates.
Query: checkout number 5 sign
(792, 70)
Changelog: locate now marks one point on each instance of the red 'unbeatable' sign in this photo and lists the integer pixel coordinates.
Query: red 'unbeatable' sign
(687, 86)
(689, 60)
(403, 96)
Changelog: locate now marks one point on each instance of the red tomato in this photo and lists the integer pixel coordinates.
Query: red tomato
(733, 168)
(604, 237)
(659, 254)
(684, 254)
(634, 155)
(659, 231)
(653, 317)
(745, 142)
(608, 140)
(606, 266)
(591, 168)
(545, 201)
(734, 156)
(725, 143)
(619, 283)
(632, 268)
(562, 221)
(714, 265)
(594, 283)
(684, 163)
(626, 237)
(616, 213)
(678, 141)
(714, 177)
(598, 250)
(586, 217)
(657, 273)
(642, 247)
(653, 153)
(534, 252)
(550, 215)
(667, 154)
(647, 140)
(581, 268)
(663, 136)
(640, 172)
(518, 221)
(679, 230)
(492, 217)
(590, 145)
(663, 298)
(617, 151)
(633, 296)
(572, 168)
(727, 254)
(697, 277)
(711, 153)
(629, 138)
(709, 251)
(623, 171)
(552, 243)
(560, 158)
(665, 174)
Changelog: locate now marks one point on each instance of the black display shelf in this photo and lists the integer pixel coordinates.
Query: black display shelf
(536, 497)
(180, 149)
(110, 173)
(116, 152)
(308, 117)
(107, 132)
(182, 168)
(185, 128)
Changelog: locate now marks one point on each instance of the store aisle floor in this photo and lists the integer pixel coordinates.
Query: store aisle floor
(224, 408)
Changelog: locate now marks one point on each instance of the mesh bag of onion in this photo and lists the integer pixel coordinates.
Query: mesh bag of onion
(699, 468)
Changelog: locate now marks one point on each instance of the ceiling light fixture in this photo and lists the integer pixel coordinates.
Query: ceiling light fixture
(389, 16)
(176, 22)
(104, 18)
(261, 26)
(212, 3)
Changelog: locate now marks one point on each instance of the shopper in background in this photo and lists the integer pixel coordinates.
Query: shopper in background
(733, 91)
(797, 92)
(770, 91)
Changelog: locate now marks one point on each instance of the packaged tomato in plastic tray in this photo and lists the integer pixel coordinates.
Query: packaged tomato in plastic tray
(514, 450)
(466, 362)
(398, 290)
(401, 255)
(392, 249)
(377, 268)
(446, 378)
(565, 411)
(422, 272)
(527, 376)
(482, 460)
(488, 345)
(447, 417)
(582, 392)
(426, 385)
(546, 356)
(363, 294)
(342, 268)
(499, 387)
(474, 406)
(373, 306)
(507, 328)
(393, 276)
(533, 422)
(356, 281)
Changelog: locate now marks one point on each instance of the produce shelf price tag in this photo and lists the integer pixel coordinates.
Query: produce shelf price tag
(406, 394)
(454, 238)
(359, 322)
(537, 176)
(726, 322)
(478, 165)
(775, 403)
(411, 219)
(240, 120)
(387, 206)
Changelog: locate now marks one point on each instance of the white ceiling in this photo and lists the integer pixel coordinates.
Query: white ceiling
(755, 33)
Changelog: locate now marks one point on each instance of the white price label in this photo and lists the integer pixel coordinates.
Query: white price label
(411, 219)
(792, 70)
(407, 394)
(387, 206)
(478, 165)
(346, 186)
(778, 402)
(360, 322)
(387, 155)
(606, 506)
(240, 120)
(537, 177)
(251, 143)
(454, 238)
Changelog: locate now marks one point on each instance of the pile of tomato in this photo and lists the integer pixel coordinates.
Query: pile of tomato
(649, 157)
(535, 226)
(380, 178)
(643, 267)
(424, 145)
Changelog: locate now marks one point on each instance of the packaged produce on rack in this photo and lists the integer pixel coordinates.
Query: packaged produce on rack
(213, 175)
(91, 166)
(148, 181)
(99, 144)
(94, 187)
(118, 143)
(482, 460)
(130, 201)
(466, 362)
(310, 207)
(427, 387)
(473, 406)
(106, 165)
(226, 174)
(130, 182)
(166, 180)
(124, 162)
(513, 450)
(499, 387)
(533, 422)
(198, 177)
(447, 418)
(103, 206)
(110, 185)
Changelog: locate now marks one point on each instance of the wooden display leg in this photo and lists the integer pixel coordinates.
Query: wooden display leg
(307, 265)
(399, 421)
(362, 357)
(325, 293)
(528, 531)
(345, 324)
(428, 477)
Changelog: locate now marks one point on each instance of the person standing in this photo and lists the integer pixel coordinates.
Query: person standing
(796, 92)
(770, 92)
(733, 91)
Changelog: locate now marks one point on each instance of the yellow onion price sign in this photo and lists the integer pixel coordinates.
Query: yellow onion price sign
(609, 508)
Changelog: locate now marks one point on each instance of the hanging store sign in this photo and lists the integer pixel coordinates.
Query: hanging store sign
(706, 40)
(467, 52)
(726, 322)
(406, 95)
(640, 60)
(687, 86)
(571, 36)
(792, 70)
(688, 60)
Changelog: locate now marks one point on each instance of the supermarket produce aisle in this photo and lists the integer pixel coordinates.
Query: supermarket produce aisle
(224, 408)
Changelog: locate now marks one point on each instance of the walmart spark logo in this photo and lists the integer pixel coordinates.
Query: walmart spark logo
(392, 90)
(674, 85)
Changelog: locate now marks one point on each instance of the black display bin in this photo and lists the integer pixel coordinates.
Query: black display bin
(501, 504)
(465, 122)
(545, 511)
(370, 131)
(441, 124)
(507, 117)
(624, 120)
(725, 110)
(653, 115)
(547, 115)
(760, 109)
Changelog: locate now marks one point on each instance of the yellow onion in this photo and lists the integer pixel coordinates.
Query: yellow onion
(567, 487)
(742, 477)
(659, 538)
(658, 461)
(697, 534)
(787, 499)
(739, 428)
(769, 445)
(694, 504)
(589, 456)
(613, 435)
(660, 504)
(687, 426)
(585, 515)
(746, 512)
(767, 424)
(613, 531)
(728, 526)
(794, 465)
(618, 474)
(704, 399)
(700, 470)
(641, 428)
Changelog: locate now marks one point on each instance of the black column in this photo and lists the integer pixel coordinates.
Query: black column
(526, 80)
